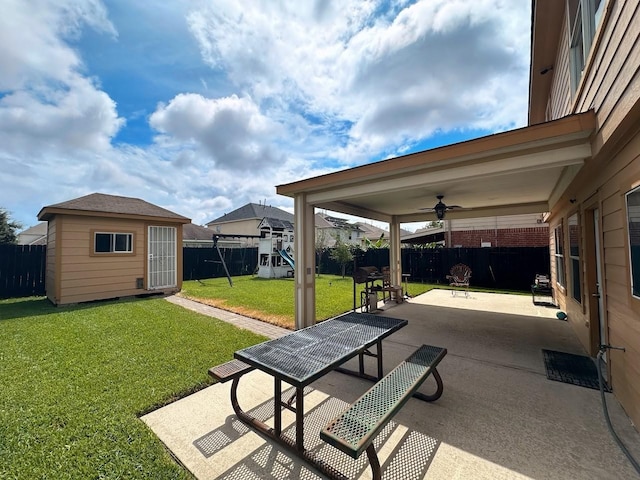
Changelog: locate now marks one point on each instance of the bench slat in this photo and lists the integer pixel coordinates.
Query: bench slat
(354, 430)
(230, 370)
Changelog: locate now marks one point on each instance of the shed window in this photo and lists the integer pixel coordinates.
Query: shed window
(559, 255)
(633, 219)
(113, 242)
(574, 255)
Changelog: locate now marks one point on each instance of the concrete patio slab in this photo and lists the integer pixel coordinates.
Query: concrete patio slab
(499, 416)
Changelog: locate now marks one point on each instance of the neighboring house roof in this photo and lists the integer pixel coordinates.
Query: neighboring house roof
(342, 223)
(36, 235)
(276, 223)
(191, 231)
(97, 203)
(253, 211)
(373, 233)
(322, 222)
(426, 235)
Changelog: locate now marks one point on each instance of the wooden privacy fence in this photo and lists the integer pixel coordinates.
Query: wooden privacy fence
(22, 270)
(22, 267)
(201, 263)
(512, 268)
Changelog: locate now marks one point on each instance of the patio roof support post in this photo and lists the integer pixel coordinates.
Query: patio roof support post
(395, 256)
(305, 262)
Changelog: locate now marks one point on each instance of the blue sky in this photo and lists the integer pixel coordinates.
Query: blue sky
(201, 106)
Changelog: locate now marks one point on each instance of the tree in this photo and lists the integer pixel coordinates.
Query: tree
(380, 243)
(434, 224)
(342, 254)
(8, 228)
(321, 246)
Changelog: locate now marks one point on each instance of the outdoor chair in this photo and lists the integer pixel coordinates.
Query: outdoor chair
(459, 276)
(542, 287)
(387, 287)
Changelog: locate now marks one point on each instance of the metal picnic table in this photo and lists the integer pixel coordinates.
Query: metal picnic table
(306, 355)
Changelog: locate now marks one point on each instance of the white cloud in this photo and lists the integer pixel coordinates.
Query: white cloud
(296, 89)
(231, 130)
(48, 104)
(398, 77)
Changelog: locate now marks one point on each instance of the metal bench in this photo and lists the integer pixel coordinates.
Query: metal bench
(230, 370)
(355, 429)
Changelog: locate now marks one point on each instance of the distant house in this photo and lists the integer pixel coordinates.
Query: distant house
(105, 246)
(527, 230)
(246, 221)
(196, 236)
(36, 235)
(331, 229)
(372, 233)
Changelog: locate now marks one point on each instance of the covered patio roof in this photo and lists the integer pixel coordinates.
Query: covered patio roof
(514, 172)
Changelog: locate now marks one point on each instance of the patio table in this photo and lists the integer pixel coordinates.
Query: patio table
(306, 355)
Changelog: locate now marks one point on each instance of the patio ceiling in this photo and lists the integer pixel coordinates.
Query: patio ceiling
(514, 172)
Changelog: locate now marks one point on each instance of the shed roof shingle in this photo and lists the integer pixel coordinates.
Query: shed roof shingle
(112, 204)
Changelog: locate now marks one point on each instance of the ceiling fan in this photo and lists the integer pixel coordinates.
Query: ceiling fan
(441, 208)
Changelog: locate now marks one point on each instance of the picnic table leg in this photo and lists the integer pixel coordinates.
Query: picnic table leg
(266, 430)
(277, 414)
(300, 419)
(434, 396)
(374, 462)
(379, 358)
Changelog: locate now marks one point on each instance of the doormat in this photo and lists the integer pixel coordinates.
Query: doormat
(569, 368)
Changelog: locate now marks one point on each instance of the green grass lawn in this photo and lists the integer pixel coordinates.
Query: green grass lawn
(73, 381)
(272, 300)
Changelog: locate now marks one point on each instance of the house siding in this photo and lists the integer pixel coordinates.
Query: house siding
(249, 226)
(622, 310)
(611, 87)
(560, 95)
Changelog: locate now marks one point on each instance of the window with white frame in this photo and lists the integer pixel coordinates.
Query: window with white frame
(108, 242)
(633, 219)
(559, 255)
(574, 257)
(584, 16)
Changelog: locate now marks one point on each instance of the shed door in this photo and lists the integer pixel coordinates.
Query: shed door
(162, 257)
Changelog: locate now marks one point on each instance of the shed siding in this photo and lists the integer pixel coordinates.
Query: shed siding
(84, 276)
(50, 275)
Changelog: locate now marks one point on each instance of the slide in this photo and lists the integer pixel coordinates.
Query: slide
(287, 258)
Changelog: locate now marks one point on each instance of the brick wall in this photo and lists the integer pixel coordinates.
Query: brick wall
(506, 237)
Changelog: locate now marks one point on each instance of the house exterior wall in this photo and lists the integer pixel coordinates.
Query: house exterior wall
(505, 231)
(249, 226)
(609, 85)
(512, 237)
(81, 275)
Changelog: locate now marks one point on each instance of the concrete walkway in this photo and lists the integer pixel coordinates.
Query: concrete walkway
(240, 321)
(499, 416)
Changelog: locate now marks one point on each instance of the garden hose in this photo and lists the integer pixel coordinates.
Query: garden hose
(622, 446)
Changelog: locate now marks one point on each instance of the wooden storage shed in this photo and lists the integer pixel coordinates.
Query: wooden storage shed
(105, 246)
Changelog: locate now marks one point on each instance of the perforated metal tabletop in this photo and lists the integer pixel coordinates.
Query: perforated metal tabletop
(306, 355)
